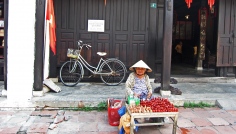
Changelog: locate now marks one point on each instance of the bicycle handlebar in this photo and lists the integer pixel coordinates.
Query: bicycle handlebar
(88, 46)
(81, 44)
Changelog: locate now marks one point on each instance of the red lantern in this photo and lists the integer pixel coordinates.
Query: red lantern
(188, 2)
(211, 3)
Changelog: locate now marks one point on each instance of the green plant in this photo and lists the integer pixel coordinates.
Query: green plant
(198, 105)
(100, 107)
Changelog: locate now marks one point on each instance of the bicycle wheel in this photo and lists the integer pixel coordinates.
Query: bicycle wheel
(71, 73)
(118, 72)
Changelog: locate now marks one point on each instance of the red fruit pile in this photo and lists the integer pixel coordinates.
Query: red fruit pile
(159, 104)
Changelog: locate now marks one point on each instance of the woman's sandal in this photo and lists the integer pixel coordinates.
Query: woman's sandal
(178, 92)
(175, 91)
(157, 90)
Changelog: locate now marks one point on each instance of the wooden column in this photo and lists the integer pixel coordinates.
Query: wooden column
(202, 45)
(39, 33)
(5, 41)
(167, 45)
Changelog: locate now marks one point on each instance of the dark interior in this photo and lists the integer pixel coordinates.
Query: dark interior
(187, 30)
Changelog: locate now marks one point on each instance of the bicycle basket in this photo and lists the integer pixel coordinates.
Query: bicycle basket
(72, 53)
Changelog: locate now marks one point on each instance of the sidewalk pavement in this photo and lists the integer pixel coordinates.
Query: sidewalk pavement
(24, 118)
(212, 90)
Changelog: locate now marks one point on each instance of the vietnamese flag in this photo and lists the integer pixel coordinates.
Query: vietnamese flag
(52, 25)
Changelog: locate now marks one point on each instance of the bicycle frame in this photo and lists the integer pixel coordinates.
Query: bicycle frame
(85, 64)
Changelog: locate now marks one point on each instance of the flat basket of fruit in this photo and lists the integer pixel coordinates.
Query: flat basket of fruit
(152, 106)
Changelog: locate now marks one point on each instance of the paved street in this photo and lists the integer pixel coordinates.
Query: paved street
(190, 121)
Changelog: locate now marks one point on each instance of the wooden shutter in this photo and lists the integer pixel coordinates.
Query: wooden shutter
(226, 46)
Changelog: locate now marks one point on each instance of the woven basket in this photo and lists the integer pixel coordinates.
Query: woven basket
(72, 53)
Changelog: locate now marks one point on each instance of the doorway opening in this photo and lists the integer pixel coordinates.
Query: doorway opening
(187, 29)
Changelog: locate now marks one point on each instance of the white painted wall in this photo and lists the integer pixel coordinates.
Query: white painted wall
(21, 49)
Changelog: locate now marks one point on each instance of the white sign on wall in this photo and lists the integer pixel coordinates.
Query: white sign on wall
(96, 25)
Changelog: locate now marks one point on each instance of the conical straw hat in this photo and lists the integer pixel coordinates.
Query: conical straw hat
(141, 64)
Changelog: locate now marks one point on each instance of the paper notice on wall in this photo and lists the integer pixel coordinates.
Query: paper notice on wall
(96, 25)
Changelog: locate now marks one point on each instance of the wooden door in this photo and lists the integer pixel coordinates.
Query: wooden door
(133, 29)
(125, 35)
(226, 47)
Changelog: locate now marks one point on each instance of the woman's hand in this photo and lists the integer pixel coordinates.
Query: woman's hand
(136, 95)
(149, 95)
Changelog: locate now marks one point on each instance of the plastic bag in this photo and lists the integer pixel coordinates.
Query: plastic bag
(113, 115)
(122, 111)
(122, 131)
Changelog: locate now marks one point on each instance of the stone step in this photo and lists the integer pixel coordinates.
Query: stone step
(192, 79)
(197, 79)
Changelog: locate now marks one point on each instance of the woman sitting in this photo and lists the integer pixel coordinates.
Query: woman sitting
(138, 82)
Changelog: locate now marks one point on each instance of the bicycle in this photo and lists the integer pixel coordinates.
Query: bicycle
(111, 70)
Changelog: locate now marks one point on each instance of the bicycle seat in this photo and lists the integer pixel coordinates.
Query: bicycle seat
(101, 53)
